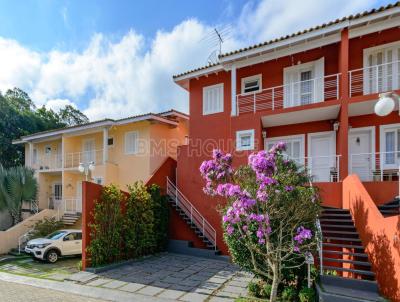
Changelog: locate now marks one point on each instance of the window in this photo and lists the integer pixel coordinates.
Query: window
(251, 84)
(391, 145)
(245, 140)
(47, 150)
(213, 99)
(294, 146)
(110, 141)
(98, 180)
(34, 156)
(131, 142)
(306, 86)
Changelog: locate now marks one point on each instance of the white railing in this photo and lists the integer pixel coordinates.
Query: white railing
(378, 166)
(194, 215)
(375, 79)
(321, 168)
(72, 160)
(48, 162)
(72, 205)
(290, 95)
(32, 206)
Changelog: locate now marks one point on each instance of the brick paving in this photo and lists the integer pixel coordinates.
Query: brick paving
(172, 276)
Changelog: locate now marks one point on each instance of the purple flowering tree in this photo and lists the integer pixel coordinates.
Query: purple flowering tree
(271, 211)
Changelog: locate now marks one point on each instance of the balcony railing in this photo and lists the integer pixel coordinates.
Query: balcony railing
(72, 160)
(48, 162)
(290, 95)
(378, 166)
(321, 168)
(375, 79)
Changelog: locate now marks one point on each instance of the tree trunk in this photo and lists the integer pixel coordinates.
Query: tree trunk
(275, 283)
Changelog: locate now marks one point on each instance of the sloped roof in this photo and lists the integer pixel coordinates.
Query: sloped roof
(325, 25)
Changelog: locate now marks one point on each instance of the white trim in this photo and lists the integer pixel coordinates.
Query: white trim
(221, 109)
(376, 27)
(370, 50)
(137, 143)
(382, 144)
(241, 133)
(243, 81)
(277, 139)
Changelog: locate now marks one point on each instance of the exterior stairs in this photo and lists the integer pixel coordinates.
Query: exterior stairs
(192, 217)
(342, 250)
(391, 208)
(69, 219)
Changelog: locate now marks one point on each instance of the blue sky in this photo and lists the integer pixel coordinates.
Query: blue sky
(116, 58)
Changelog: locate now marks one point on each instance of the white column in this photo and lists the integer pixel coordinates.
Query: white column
(233, 90)
(105, 145)
(30, 154)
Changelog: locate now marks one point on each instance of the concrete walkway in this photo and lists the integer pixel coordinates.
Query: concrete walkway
(172, 276)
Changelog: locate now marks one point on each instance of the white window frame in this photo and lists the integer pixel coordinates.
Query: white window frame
(48, 147)
(240, 134)
(382, 148)
(257, 77)
(113, 144)
(285, 139)
(130, 152)
(219, 110)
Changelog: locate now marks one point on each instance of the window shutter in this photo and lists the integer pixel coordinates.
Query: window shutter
(319, 80)
(213, 99)
(131, 144)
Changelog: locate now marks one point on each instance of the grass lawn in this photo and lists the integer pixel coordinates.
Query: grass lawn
(33, 268)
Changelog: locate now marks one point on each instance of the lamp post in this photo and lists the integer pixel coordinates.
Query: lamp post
(86, 168)
(384, 107)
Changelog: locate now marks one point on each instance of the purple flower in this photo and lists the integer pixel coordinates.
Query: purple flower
(289, 188)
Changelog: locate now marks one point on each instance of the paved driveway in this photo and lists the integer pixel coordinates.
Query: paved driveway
(173, 276)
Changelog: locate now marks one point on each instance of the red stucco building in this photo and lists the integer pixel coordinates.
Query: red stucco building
(316, 91)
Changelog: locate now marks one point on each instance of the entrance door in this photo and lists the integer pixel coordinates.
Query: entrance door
(360, 155)
(79, 196)
(321, 155)
(56, 199)
(89, 152)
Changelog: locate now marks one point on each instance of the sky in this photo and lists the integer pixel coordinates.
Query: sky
(116, 58)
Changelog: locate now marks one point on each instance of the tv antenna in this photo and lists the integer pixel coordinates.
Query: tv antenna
(214, 40)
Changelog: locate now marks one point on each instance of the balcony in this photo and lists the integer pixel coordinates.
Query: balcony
(374, 79)
(290, 95)
(49, 162)
(378, 166)
(72, 160)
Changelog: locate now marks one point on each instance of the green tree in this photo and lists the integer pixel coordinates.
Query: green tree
(19, 117)
(17, 184)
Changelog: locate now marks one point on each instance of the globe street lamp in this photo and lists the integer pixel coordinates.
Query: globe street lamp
(86, 168)
(384, 107)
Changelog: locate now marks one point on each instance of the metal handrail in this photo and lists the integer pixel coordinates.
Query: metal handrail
(319, 245)
(190, 210)
(275, 97)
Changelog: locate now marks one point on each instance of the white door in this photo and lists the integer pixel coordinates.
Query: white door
(360, 155)
(89, 153)
(57, 196)
(321, 156)
(79, 196)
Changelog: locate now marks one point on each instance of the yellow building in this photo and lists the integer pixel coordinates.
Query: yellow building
(107, 151)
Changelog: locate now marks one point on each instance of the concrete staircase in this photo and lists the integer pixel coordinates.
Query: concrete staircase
(193, 218)
(69, 219)
(391, 208)
(342, 248)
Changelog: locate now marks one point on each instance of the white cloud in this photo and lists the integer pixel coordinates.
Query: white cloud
(134, 74)
(57, 104)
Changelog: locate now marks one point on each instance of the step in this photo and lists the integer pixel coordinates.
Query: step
(336, 220)
(364, 255)
(337, 226)
(186, 247)
(389, 206)
(349, 270)
(342, 239)
(336, 288)
(330, 210)
(349, 246)
(355, 262)
(340, 232)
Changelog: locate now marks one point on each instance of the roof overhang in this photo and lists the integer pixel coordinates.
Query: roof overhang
(301, 116)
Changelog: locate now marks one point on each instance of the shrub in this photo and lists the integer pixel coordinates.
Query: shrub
(106, 231)
(289, 294)
(271, 210)
(307, 294)
(139, 222)
(45, 227)
(266, 290)
(254, 288)
(161, 217)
